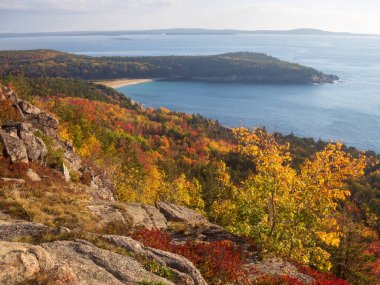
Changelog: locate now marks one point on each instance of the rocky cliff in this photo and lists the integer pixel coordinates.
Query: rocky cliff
(23, 142)
(54, 230)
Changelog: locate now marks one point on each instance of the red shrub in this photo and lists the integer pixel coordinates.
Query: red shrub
(154, 238)
(218, 261)
(12, 170)
(322, 278)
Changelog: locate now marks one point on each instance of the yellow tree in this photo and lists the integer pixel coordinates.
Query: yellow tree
(183, 191)
(135, 184)
(91, 148)
(291, 213)
(218, 192)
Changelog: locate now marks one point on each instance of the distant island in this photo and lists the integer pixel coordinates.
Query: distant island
(183, 31)
(243, 67)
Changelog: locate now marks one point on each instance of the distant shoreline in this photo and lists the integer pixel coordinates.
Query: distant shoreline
(117, 83)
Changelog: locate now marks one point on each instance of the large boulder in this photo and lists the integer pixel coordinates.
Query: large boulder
(20, 262)
(39, 118)
(14, 147)
(146, 216)
(186, 271)
(35, 147)
(158, 219)
(92, 265)
(109, 213)
(178, 213)
(132, 215)
(21, 145)
(14, 229)
(70, 262)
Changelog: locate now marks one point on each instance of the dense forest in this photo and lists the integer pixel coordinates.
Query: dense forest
(312, 202)
(232, 67)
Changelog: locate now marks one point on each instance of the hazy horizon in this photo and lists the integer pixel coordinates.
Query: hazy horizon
(25, 16)
(189, 29)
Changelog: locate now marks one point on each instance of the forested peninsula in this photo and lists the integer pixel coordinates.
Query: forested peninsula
(241, 67)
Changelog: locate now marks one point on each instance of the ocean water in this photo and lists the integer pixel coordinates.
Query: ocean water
(347, 111)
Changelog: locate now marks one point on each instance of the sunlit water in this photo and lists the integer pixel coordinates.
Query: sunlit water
(348, 111)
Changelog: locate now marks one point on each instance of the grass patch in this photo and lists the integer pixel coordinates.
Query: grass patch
(117, 228)
(54, 206)
(150, 283)
(75, 176)
(160, 270)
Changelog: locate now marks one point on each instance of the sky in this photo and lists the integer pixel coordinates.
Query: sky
(88, 15)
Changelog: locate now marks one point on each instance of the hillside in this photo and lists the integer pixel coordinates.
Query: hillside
(233, 67)
(77, 160)
(60, 223)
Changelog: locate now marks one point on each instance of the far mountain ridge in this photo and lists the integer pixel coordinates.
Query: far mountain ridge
(185, 31)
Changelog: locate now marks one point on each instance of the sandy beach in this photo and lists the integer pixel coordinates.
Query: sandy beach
(116, 83)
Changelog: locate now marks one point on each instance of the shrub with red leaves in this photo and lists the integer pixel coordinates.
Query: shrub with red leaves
(220, 262)
(322, 278)
(12, 170)
(154, 238)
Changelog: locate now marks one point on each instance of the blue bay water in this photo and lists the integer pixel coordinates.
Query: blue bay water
(304, 110)
(348, 110)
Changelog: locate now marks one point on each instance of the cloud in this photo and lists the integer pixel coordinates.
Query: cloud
(42, 15)
(83, 5)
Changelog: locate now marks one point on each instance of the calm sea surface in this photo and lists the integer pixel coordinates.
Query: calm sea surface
(348, 110)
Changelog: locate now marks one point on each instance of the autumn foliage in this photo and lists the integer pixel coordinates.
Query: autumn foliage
(159, 155)
(313, 202)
